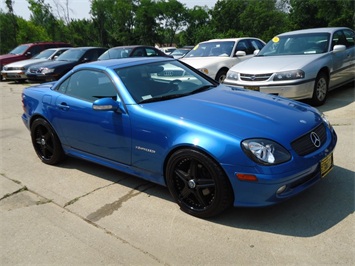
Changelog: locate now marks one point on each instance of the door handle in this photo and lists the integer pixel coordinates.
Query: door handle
(64, 106)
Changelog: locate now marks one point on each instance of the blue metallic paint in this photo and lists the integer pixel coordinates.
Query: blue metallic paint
(215, 122)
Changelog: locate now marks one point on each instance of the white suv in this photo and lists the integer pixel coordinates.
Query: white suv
(216, 57)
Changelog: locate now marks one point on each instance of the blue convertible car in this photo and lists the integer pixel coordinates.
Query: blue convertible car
(212, 145)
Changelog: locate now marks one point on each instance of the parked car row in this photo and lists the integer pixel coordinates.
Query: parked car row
(302, 64)
(27, 51)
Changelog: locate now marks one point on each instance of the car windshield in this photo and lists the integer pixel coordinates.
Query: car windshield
(217, 48)
(162, 81)
(19, 49)
(179, 52)
(115, 53)
(44, 54)
(71, 55)
(302, 44)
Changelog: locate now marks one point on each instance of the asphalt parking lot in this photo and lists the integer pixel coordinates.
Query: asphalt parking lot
(79, 213)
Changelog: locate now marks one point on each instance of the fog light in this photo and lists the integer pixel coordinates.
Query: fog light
(281, 189)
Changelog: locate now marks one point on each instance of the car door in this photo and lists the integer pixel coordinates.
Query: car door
(342, 60)
(103, 133)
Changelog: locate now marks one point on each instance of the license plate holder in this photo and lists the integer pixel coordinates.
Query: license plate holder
(326, 165)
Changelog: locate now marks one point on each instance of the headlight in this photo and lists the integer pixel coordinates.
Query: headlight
(204, 70)
(325, 119)
(232, 75)
(266, 152)
(47, 70)
(289, 75)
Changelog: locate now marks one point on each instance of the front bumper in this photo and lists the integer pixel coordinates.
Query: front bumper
(13, 75)
(306, 171)
(296, 91)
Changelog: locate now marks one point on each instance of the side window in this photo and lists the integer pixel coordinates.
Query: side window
(91, 55)
(350, 37)
(139, 52)
(244, 45)
(151, 52)
(89, 85)
(34, 50)
(339, 39)
(257, 45)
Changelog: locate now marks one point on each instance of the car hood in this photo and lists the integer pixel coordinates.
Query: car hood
(27, 62)
(199, 62)
(271, 64)
(7, 56)
(241, 113)
(54, 64)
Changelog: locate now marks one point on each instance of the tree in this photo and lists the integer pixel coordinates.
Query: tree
(322, 13)
(146, 27)
(42, 16)
(172, 17)
(197, 26)
(226, 17)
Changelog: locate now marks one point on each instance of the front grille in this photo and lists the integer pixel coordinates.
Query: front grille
(304, 144)
(253, 77)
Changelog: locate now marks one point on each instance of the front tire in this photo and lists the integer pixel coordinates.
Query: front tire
(198, 184)
(320, 91)
(221, 75)
(46, 142)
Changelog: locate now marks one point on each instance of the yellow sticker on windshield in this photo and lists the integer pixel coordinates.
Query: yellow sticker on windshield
(275, 39)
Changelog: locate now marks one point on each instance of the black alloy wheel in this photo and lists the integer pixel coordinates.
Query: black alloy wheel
(46, 142)
(198, 184)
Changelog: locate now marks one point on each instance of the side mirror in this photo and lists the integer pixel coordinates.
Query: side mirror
(339, 48)
(108, 104)
(240, 53)
(256, 51)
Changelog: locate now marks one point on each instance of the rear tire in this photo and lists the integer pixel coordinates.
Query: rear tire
(46, 142)
(320, 91)
(198, 184)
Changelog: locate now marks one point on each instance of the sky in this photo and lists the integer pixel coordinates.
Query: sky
(80, 8)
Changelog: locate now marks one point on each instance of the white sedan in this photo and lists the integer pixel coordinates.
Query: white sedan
(303, 64)
(215, 57)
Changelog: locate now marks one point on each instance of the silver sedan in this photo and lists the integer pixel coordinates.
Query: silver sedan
(303, 64)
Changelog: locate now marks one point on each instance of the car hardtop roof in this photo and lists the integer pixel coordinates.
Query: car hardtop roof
(32, 43)
(124, 62)
(229, 39)
(87, 47)
(130, 46)
(314, 30)
(58, 48)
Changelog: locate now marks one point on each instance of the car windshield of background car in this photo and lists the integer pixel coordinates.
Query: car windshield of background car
(161, 81)
(303, 44)
(212, 49)
(71, 55)
(19, 49)
(45, 54)
(115, 53)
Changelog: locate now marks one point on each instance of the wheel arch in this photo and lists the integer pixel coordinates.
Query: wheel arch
(224, 69)
(324, 70)
(196, 148)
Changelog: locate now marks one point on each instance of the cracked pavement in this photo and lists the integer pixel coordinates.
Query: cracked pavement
(82, 213)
